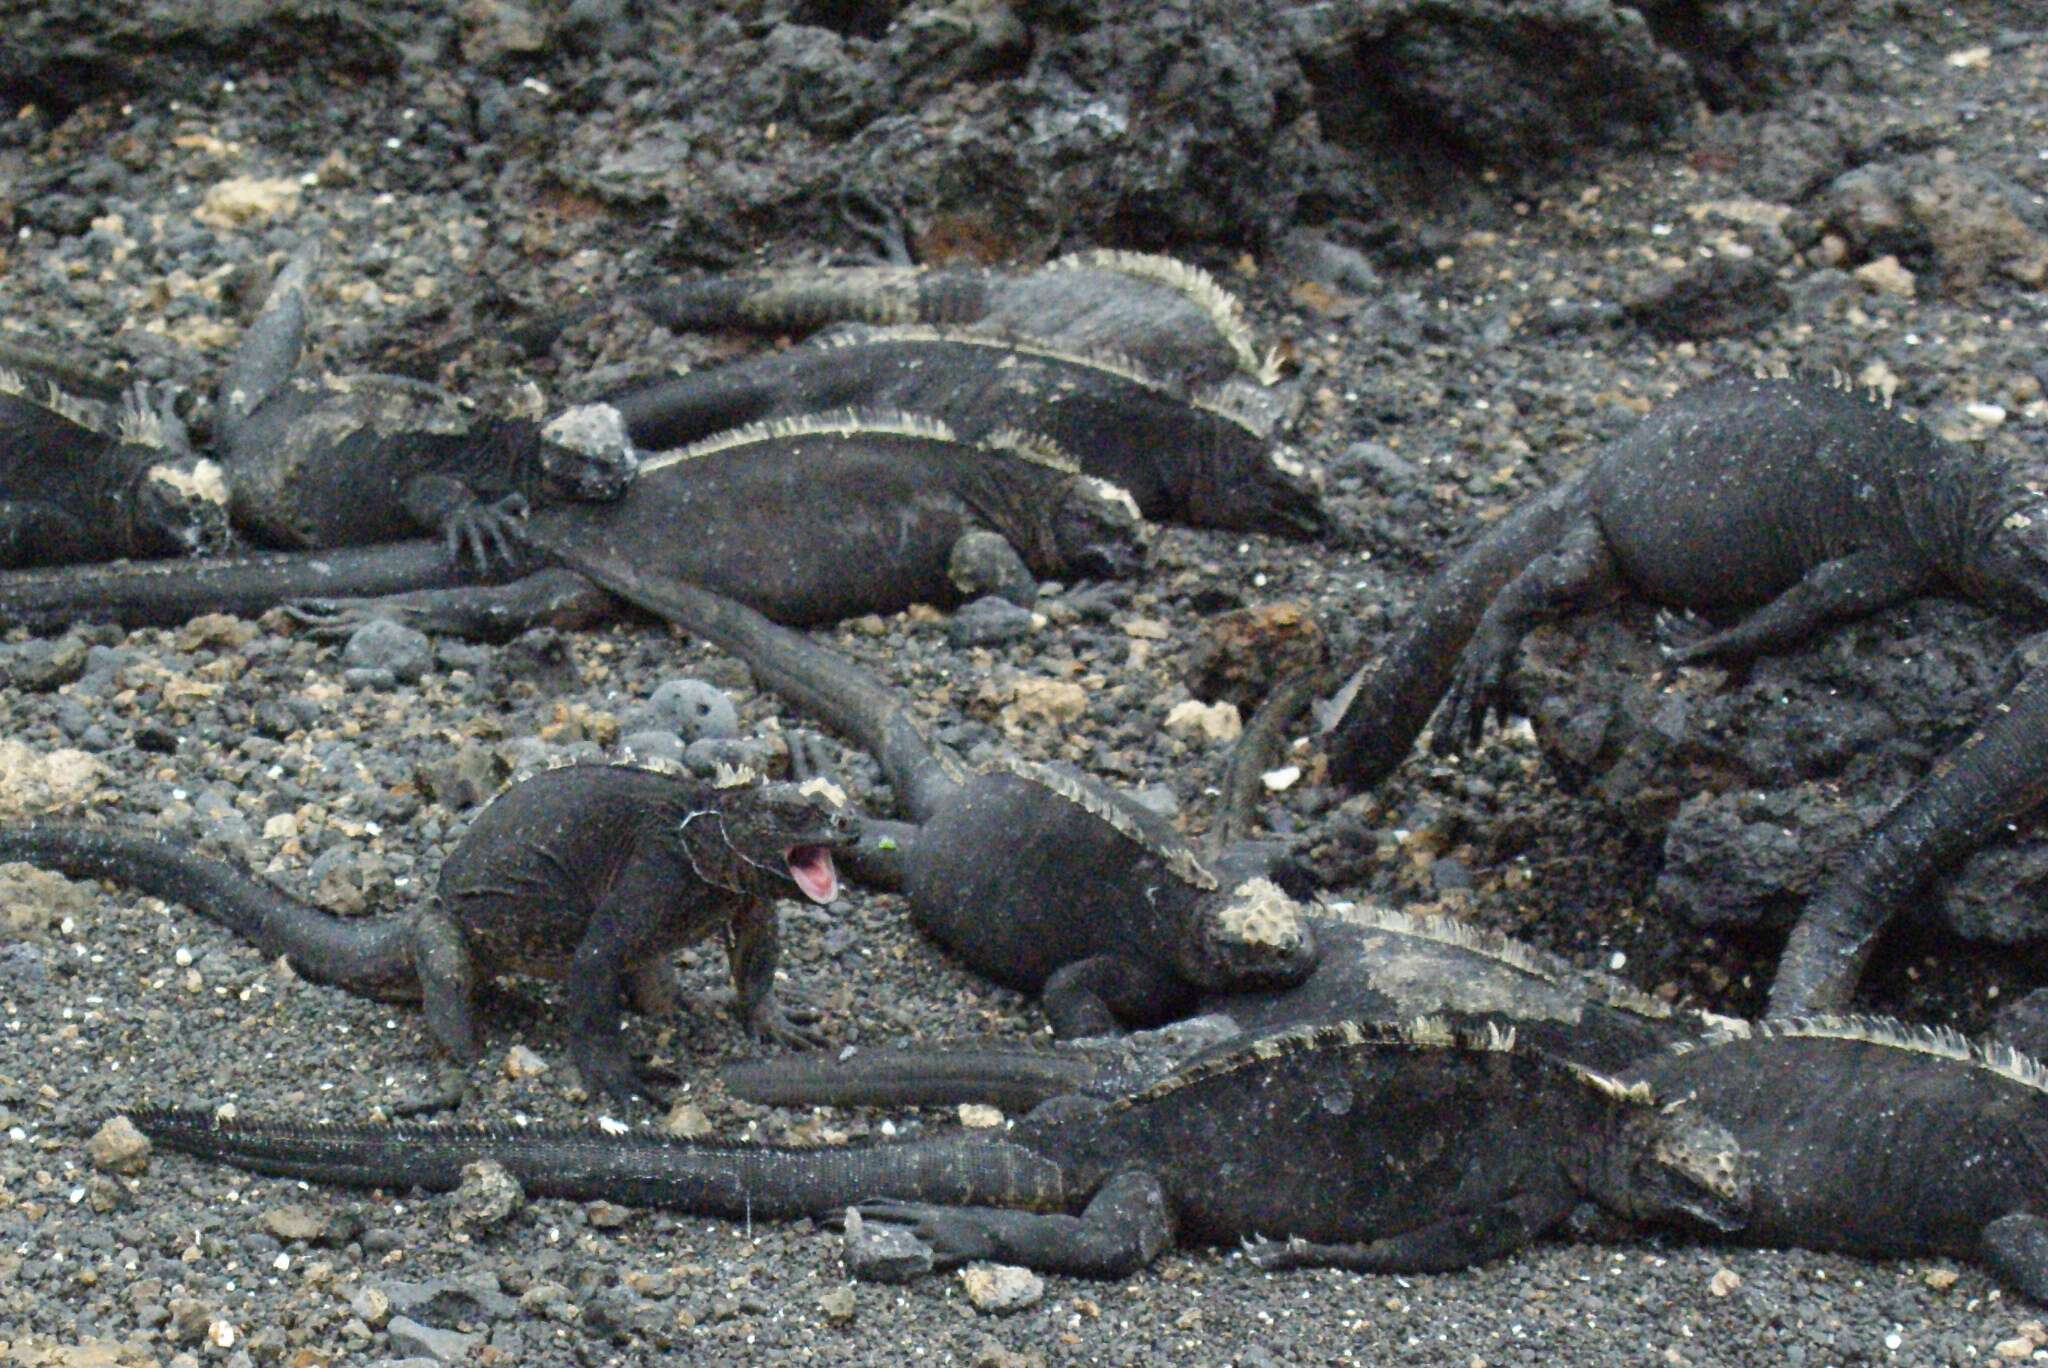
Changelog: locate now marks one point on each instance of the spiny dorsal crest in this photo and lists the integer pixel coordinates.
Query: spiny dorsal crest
(1179, 857)
(1030, 446)
(66, 406)
(1517, 955)
(1223, 308)
(836, 423)
(1423, 1033)
(1939, 1042)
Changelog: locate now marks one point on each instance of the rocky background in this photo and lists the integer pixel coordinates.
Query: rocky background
(1486, 234)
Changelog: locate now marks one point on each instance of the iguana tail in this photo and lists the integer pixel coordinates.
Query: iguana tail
(369, 958)
(800, 301)
(829, 687)
(1995, 776)
(153, 593)
(638, 1169)
(1015, 1077)
(1389, 701)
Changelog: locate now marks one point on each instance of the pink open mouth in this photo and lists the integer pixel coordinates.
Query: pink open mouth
(814, 872)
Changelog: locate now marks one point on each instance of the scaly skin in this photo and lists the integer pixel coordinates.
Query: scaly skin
(589, 874)
(1375, 965)
(1174, 319)
(1393, 1150)
(1879, 1138)
(1997, 775)
(1038, 878)
(86, 478)
(1806, 503)
(741, 513)
(350, 460)
(1182, 460)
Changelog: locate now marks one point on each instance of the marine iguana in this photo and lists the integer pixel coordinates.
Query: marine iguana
(86, 480)
(810, 519)
(1877, 1138)
(1035, 876)
(1997, 775)
(1402, 1149)
(1173, 318)
(590, 874)
(1181, 459)
(1375, 964)
(344, 460)
(1809, 503)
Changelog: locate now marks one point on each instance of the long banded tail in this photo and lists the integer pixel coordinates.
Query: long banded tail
(738, 1181)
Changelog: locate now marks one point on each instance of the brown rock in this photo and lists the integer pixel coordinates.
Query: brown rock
(1242, 654)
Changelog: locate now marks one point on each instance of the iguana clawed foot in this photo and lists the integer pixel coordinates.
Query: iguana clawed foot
(1478, 688)
(612, 1071)
(791, 1024)
(1292, 1252)
(864, 211)
(478, 532)
(334, 619)
(955, 1235)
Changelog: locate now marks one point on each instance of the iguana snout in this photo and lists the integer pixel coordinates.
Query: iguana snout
(2012, 565)
(1099, 532)
(585, 454)
(182, 508)
(1250, 937)
(1685, 1166)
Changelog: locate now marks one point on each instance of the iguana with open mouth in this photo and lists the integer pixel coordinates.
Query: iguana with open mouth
(591, 874)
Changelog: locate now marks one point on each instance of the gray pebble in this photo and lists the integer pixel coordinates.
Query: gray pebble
(653, 745)
(381, 644)
(408, 1336)
(695, 710)
(885, 1253)
(988, 622)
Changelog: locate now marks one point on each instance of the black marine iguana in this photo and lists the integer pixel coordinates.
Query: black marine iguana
(1374, 964)
(1173, 318)
(1997, 775)
(1037, 877)
(1392, 1149)
(344, 460)
(810, 520)
(590, 874)
(1181, 459)
(1807, 502)
(86, 480)
(1878, 1138)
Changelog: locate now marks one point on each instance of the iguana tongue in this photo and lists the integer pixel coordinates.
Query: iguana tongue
(814, 872)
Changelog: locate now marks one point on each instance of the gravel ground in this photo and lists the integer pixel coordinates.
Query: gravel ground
(1449, 361)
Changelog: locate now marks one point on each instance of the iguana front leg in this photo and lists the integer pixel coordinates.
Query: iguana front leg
(40, 534)
(1097, 995)
(441, 503)
(756, 940)
(1441, 1247)
(1124, 1227)
(1840, 590)
(2016, 1249)
(1553, 584)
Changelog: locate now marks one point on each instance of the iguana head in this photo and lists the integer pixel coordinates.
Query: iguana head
(1098, 531)
(180, 508)
(770, 837)
(1673, 1162)
(1282, 496)
(1247, 937)
(586, 455)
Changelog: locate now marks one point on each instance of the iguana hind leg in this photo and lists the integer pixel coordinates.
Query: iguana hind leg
(551, 598)
(1124, 1227)
(1441, 1247)
(1553, 584)
(1835, 591)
